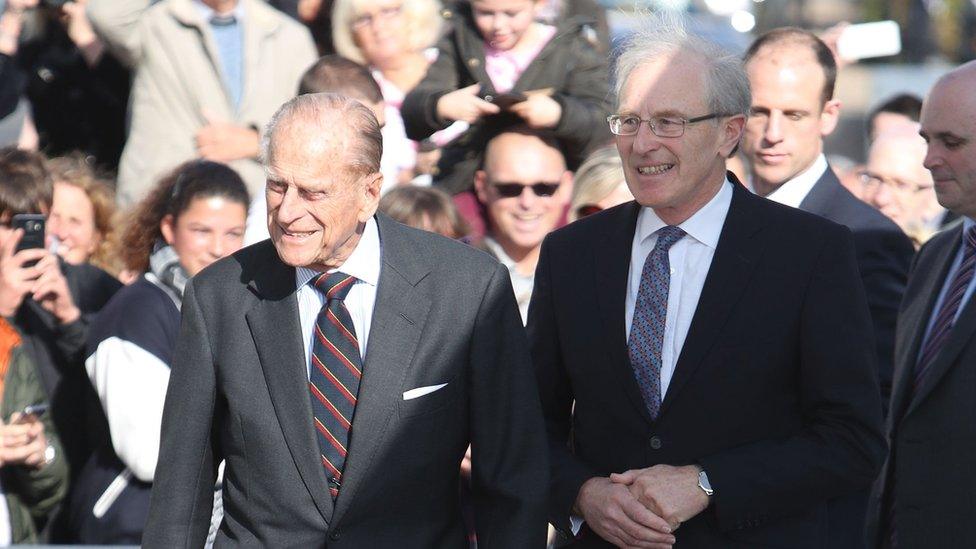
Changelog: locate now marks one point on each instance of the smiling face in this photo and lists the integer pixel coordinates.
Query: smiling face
(72, 222)
(674, 175)
(519, 223)
(789, 119)
(317, 208)
(503, 23)
(949, 128)
(378, 30)
(210, 228)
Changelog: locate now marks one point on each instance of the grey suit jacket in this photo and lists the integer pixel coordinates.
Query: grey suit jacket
(931, 428)
(444, 313)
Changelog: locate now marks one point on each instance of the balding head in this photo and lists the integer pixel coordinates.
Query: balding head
(949, 127)
(328, 123)
(895, 180)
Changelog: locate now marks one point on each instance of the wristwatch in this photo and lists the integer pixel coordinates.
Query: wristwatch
(704, 484)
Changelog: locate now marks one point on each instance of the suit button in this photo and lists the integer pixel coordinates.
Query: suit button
(335, 535)
(656, 443)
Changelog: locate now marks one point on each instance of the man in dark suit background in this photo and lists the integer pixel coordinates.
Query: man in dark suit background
(924, 496)
(342, 367)
(702, 354)
(792, 74)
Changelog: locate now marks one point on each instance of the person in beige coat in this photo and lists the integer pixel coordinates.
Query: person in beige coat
(190, 98)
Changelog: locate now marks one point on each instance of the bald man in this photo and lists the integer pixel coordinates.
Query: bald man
(924, 496)
(342, 367)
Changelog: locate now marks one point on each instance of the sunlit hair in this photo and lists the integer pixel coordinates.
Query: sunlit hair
(75, 170)
(599, 175)
(25, 182)
(426, 208)
(422, 23)
(664, 34)
(335, 117)
(794, 36)
(336, 74)
(173, 195)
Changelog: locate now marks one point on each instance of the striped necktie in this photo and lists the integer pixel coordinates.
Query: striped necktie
(334, 375)
(647, 329)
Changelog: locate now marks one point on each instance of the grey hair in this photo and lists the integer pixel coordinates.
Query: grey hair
(332, 114)
(665, 33)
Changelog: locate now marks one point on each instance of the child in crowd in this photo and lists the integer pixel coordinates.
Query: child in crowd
(500, 67)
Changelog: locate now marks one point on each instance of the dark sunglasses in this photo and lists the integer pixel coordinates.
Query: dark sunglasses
(511, 190)
(587, 209)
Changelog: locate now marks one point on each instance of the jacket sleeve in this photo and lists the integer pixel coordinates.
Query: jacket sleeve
(509, 467)
(40, 489)
(840, 447)
(419, 110)
(585, 101)
(117, 23)
(182, 496)
(567, 473)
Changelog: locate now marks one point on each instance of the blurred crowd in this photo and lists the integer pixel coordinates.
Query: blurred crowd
(131, 129)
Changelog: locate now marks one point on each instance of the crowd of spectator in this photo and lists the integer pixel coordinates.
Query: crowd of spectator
(134, 127)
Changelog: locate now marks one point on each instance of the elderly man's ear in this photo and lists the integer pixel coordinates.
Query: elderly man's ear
(371, 196)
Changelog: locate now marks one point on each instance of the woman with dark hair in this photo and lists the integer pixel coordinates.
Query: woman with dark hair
(193, 217)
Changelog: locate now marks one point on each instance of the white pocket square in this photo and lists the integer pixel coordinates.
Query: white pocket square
(421, 391)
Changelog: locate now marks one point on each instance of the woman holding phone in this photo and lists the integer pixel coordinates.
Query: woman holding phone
(194, 216)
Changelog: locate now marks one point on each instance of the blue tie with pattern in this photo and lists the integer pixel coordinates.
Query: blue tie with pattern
(647, 329)
(334, 375)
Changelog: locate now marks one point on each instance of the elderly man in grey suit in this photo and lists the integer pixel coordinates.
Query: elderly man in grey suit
(342, 367)
(924, 496)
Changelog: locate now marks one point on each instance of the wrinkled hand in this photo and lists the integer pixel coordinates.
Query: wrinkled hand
(611, 511)
(672, 493)
(16, 279)
(464, 104)
(22, 441)
(51, 291)
(222, 141)
(539, 111)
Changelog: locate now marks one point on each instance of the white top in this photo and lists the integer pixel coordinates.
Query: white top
(364, 264)
(795, 190)
(690, 258)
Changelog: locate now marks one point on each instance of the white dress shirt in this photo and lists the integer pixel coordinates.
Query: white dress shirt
(364, 264)
(795, 190)
(690, 258)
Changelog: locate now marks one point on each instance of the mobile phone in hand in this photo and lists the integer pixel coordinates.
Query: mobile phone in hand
(36, 410)
(33, 226)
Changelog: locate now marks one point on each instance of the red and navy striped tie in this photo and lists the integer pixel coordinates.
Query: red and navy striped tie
(334, 375)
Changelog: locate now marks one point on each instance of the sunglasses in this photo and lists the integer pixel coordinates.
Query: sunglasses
(511, 190)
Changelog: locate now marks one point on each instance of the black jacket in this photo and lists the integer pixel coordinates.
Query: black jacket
(568, 64)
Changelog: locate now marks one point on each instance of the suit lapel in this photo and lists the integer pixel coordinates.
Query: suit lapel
(960, 335)
(398, 320)
(612, 272)
(276, 330)
(732, 265)
(821, 196)
(913, 321)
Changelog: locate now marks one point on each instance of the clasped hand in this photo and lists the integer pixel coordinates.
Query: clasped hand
(22, 441)
(642, 507)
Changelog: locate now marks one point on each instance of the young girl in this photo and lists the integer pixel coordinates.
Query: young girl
(499, 67)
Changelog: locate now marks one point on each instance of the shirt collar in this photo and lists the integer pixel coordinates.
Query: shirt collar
(795, 190)
(363, 263)
(705, 225)
(207, 13)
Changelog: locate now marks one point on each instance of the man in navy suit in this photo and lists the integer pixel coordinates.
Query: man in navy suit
(703, 355)
(792, 75)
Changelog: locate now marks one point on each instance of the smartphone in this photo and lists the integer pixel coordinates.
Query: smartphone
(33, 226)
(864, 40)
(36, 410)
(504, 100)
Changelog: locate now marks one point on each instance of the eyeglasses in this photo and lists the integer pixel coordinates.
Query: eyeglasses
(871, 180)
(383, 14)
(586, 210)
(511, 190)
(662, 126)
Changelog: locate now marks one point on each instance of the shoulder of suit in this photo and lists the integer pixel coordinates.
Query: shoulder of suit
(238, 268)
(438, 250)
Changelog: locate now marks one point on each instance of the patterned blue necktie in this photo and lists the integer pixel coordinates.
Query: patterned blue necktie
(650, 313)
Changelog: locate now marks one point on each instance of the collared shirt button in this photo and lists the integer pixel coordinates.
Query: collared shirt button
(335, 535)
